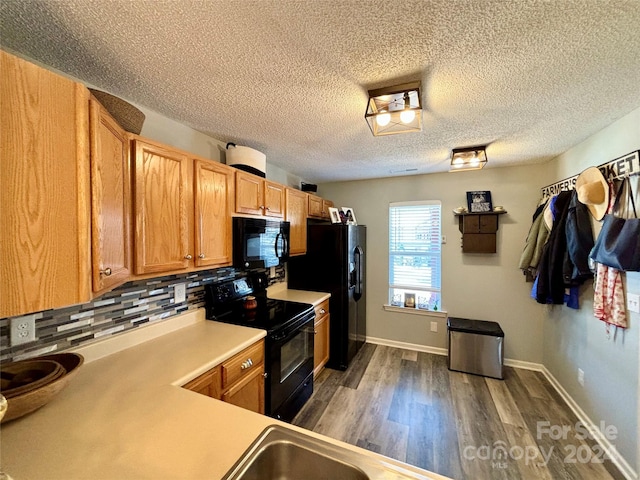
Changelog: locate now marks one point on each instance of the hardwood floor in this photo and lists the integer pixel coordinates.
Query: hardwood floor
(407, 405)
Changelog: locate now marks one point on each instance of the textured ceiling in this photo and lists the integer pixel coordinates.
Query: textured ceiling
(290, 77)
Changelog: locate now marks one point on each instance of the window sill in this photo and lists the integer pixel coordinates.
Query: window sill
(416, 311)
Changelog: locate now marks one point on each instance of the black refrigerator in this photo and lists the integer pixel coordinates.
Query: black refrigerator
(335, 262)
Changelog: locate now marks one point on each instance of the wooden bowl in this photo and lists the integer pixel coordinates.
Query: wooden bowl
(31, 400)
(20, 377)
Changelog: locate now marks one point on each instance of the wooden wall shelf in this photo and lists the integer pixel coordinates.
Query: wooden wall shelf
(479, 231)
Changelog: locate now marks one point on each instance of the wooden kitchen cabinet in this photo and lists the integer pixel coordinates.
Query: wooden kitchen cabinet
(296, 215)
(325, 207)
(213, 191)
(238, 380)
(206, 384)
(182, 208)
(315, 206)
(45, 246)
(257, 196)
(321, 339)
(162, 199)
(479, 231)
(110, 201)
(319, 207)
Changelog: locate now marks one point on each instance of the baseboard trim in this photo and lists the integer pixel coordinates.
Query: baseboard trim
(617, 459)
(627, 471)
(407, 346)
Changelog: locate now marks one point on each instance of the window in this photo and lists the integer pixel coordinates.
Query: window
(415, 254)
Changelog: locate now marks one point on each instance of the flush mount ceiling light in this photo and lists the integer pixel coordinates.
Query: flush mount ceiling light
(396, 109)
(469, 158)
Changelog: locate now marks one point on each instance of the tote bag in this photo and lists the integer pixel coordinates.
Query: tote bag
(618, 244)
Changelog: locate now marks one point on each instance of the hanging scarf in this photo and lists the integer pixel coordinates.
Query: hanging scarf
(608, 294)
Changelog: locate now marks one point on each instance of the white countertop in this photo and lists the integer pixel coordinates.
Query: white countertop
(279, 291)
(124, 416)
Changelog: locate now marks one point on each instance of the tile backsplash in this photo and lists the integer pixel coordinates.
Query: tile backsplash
(125, 308)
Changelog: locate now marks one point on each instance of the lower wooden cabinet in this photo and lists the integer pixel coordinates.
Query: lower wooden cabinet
(238, 380)
(321, 338)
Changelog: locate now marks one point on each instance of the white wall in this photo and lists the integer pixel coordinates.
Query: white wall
(479, 286)
(575, 339)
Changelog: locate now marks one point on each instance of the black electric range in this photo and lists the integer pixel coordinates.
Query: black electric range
(288, 344)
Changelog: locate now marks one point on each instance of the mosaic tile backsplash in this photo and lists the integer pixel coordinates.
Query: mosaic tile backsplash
(123, 309)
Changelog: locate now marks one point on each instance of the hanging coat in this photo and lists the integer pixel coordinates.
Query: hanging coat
(550, 270)
(579, 243)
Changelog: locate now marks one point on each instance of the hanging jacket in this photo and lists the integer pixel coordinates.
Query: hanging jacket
(579, 243)
(537, 237)
(550, 270)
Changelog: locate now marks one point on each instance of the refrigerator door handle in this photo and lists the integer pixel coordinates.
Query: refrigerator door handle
(358, 256)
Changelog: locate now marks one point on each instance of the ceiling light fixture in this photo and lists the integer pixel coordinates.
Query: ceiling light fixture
(396, 109)
(469, 158)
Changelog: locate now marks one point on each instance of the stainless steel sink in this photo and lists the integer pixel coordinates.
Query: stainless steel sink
(280, 453)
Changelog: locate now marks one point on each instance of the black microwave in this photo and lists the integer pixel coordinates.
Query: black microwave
(259, 243)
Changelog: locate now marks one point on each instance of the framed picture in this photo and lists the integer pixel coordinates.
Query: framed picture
(410, 300)
(479, 201)
(335, 215)
(349, 216)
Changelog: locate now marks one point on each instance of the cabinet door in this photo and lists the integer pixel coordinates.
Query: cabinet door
(321, 345)
(206, 384)
(213, 191)
(249, 193)
(273, 199)
(110, 201)
(296, 215)
(248, 393)
(44, 189)
(315, 206)
(325, 208)
(162, 198)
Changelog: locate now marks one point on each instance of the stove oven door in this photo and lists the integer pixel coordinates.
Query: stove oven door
(290, 370)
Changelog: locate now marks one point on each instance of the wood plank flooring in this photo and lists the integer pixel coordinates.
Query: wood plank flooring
(407, 405)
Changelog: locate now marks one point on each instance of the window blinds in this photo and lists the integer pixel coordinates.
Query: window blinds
(415, 245)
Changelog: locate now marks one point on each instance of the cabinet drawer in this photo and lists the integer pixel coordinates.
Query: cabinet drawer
(321, 310)
(250, 359)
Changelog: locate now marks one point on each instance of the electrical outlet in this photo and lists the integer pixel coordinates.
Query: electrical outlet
(23, 330)
(434, 326)
(581, 377)
(180, 293)
(633, 302)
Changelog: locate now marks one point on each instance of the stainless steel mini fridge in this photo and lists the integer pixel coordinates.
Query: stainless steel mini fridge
(475, 346)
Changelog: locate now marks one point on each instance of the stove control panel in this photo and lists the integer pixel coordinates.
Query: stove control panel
(231, 290)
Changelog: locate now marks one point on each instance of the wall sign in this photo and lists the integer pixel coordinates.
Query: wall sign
(626, 165)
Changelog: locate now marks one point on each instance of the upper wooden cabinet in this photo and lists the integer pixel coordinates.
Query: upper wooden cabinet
(319, 207)
(45, 259)
(296, 215)
(315, 206)
(213, 192)
(257, 196)
(182, 210)
(162, 199)
(110, 201)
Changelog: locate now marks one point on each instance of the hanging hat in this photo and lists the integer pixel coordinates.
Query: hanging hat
(593, 191)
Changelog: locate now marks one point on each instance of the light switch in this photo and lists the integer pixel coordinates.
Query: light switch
(633, 302)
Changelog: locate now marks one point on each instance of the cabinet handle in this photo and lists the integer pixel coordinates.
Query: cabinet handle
(106, 272)
(322, 311)
(261, 207)
(267, 208)
(265, 374)
(188, 256)
(248, 363)
(315, 332)
(201, 255)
